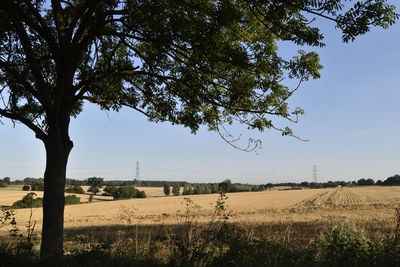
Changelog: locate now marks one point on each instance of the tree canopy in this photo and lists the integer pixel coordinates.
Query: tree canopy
(191, 62)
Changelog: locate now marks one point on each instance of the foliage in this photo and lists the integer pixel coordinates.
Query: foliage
(176, 190)
(2, 184)
(126, 192)
(95, 184)
(7, 217)
(7, 180)
(187, 190)
(72, 200)
(167, 189)
(366, 182)
(344, 245)
(191, 63)
(75, 189)
(26, 188)
(393, 180)
(109, 190)
(35, 184)
(216, 243)
(28, 201)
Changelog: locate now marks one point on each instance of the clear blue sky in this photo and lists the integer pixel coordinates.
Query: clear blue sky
(352, 122)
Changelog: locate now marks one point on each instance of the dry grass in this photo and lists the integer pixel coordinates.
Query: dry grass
(371, 206)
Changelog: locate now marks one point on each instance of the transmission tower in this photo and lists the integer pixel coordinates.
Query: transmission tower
(314, 173)
(137, 177)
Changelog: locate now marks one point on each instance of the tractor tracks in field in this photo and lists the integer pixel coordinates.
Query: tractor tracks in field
(335, 199)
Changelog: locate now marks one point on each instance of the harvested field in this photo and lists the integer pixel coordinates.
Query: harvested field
(365, 205)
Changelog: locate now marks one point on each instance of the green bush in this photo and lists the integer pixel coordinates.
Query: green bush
(26, 188)
(72, 200)
(76, 189)
(344, 244)
(126, 192)
(28, 202)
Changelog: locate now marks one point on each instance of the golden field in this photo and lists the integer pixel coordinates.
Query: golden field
(372, 205)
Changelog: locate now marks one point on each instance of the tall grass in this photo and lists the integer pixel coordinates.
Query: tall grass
(218, 242)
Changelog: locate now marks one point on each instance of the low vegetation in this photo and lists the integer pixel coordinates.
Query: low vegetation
(123, 192)
(75, 189)
(217, 242)
(31, 201)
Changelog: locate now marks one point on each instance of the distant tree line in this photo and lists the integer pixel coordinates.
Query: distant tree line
(211, 188)
(393, 180)
(96, 183)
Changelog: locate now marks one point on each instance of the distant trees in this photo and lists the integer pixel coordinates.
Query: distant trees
(72, 200)
(7, 180)
(269, 186)
(30, 201)
(109, 189)
(187, 190)
(167, 189)
(35, 184)
(123, 192)
(76, 189)
(176, 190)
(393, 180)
(26, 188)
(95, 184)
(365, 182)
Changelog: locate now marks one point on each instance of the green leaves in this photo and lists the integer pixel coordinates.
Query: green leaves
(193, 63)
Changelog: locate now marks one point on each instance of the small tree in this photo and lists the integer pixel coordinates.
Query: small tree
(95, 184)
(167, 189)
(176, 190)
(109, 190)
(26, 188)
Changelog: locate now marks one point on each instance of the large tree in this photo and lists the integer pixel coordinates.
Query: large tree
(191, 62)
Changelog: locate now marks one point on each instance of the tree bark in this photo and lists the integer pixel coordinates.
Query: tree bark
(58, 146)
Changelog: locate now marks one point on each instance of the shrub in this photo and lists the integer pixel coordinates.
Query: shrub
(126, 192)
(344, 245)
(76, 189)
(26, 188)
(109, 190)
(72, 200)
(28, 202)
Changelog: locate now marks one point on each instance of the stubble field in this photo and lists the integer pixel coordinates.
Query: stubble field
(372, 207)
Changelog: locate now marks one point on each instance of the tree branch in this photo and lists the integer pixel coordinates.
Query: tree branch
(13, 116)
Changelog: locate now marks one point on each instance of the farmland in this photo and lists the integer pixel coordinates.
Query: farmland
(368, 205)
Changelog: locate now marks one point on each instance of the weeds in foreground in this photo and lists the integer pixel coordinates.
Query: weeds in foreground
(214, 243)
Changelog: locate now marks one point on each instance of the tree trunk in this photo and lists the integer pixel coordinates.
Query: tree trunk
(58, 147)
